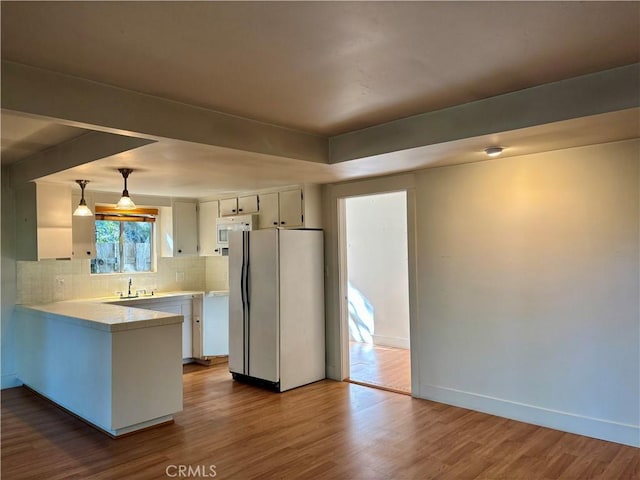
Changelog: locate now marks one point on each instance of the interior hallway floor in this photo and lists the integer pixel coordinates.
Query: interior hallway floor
(384, 367)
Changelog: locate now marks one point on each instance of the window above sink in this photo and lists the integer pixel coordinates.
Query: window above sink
(124, 240)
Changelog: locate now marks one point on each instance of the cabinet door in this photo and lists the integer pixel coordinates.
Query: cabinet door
(228, 206)
(268, 211)
(215, 325)
(248, 204)
(196, 326)
(83, 231)
(290, 208)
(177, 306)
(185, 229)
(207, 228)
(84, 237)
(54, 221)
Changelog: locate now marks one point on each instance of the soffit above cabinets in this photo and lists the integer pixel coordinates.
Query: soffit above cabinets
(198, 171)
(24, 136)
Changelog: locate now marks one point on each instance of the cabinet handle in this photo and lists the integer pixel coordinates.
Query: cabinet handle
(88, 253)
(275, 223)
(239, 209)
(281, 223)
(179, 251)
(233, 210)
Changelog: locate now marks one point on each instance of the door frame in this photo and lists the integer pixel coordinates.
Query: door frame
(339, 194)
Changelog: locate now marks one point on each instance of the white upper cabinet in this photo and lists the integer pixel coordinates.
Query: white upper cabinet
(244, 205)
(43, 221)
(185, 228)
(292, 208)
(228, 206)
(83, 229)
(248, 204)
(179, 229)
(269, 216)
(208, 213)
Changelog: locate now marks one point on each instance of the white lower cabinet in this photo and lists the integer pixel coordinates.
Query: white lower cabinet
(215, 325)
(205, 330)
(181, 305)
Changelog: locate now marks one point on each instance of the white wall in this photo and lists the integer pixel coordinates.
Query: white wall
(527, 287)
(8, 292)
(377, 264)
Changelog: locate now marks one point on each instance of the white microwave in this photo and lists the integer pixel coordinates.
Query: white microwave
(224, 225)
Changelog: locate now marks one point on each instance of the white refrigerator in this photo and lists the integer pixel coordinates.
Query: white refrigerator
(276, 307)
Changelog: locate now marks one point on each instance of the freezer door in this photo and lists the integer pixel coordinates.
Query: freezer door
(263, 289)
(237, 325)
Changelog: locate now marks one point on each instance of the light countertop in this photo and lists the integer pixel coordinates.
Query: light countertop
(103, 313)
(117, 298)
(103, 316)
(177, 293)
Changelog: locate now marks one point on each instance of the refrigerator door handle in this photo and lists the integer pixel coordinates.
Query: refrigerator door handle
(245, 302)
(242, 278)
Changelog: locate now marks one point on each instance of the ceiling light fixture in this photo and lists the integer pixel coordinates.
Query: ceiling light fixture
(82, 210)
(493, 151)
(125, 203)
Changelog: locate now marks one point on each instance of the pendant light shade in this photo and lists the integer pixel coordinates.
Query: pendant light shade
(125, 203)
(82, 210)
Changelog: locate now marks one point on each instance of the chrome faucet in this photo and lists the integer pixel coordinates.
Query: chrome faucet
(129, 292)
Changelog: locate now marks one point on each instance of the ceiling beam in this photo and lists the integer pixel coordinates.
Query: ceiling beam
(597, 93)
(98, 106)
(78, 151)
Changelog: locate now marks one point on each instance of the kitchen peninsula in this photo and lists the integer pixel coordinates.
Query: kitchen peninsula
(118, 368)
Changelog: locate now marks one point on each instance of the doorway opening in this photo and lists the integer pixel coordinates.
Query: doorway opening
(375, 250)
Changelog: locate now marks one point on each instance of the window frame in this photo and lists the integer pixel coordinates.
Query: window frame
(142, 215)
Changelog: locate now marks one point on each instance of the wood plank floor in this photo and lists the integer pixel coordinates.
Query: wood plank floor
(327, 430)
(385, 367)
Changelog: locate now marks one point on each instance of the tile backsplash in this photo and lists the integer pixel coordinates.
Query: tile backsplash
(217, 273)
(54, 280)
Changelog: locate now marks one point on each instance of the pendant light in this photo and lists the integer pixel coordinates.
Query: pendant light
(82, 210)
(125, 203)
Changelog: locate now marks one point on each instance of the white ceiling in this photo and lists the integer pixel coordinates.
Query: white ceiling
(322, 67)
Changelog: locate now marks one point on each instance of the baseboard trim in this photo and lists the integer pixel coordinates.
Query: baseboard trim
(117, 433)
(9, 381)
(568, 422)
